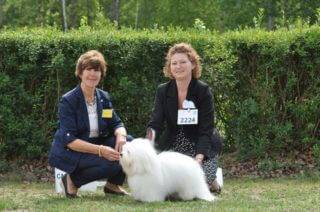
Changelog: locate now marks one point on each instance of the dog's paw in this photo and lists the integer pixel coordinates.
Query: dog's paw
(209, 198)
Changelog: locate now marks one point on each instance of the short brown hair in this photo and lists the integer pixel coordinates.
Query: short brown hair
(193, 56)
(91, 59)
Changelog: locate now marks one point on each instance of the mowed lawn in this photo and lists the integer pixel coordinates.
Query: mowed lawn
(245, 194)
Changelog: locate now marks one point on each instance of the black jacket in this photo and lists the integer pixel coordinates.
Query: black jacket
(165, 112)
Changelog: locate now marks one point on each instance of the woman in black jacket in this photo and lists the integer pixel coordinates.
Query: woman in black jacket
(184, 108)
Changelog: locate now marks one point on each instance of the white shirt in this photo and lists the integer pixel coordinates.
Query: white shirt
(93, 119)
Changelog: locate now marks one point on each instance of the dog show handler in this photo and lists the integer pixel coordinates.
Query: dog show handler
(90, 135)
(183, 112)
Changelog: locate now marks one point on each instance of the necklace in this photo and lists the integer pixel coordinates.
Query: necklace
(91, 102)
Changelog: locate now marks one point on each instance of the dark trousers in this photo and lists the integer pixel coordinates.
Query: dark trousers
(91, 167)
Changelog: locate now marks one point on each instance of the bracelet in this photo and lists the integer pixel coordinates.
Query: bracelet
(99, 151)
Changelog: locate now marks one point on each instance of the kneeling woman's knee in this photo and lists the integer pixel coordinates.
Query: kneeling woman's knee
(111, 167)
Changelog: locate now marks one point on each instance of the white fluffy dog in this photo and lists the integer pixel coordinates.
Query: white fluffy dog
(153, 177)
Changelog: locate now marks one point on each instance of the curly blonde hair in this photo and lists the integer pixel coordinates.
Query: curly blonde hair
(91, 59)
(193, 56)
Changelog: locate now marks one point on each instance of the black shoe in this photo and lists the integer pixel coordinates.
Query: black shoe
(215, 187)
(65, 188)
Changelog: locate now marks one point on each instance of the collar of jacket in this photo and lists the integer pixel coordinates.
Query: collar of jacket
(83, 105)
(80, 94)
(173, 91)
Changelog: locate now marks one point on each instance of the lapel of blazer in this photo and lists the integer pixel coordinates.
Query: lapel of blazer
(192, 94)
(82, 106)
(172, 101)
(99, 108)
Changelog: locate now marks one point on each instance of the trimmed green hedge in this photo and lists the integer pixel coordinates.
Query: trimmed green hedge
(266, 84)
(270, 91)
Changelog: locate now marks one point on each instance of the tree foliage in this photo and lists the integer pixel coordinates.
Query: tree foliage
(221, 15)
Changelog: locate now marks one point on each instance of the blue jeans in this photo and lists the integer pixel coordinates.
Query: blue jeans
(91, 167)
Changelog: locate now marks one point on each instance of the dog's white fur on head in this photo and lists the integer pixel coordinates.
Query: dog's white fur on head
(153, 177)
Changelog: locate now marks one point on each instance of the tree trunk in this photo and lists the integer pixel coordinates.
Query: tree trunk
(73, 18)
(271, 14)
(115, 11)
(89, 12)
(64, 15)
(1, 13)
(137, 15)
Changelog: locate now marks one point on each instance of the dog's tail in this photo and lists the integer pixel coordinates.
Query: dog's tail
(151, 135)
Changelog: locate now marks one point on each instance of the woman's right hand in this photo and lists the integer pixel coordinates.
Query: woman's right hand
(109, 153)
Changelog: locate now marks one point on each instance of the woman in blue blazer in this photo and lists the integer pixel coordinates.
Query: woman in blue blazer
(184, 110)
(90, 135)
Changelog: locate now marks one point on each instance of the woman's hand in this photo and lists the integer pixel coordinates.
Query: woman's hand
(121, 138)
(109, 153)
(199, 158)
(120, 141)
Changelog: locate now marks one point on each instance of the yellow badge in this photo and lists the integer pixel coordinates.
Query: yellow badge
(107, 113)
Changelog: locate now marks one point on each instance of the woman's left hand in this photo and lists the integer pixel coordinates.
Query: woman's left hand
(199, 158)
(120, 141)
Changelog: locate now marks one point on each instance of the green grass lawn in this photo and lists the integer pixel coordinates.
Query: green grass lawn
(284, 194)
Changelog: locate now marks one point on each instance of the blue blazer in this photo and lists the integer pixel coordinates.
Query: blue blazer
(74, 123)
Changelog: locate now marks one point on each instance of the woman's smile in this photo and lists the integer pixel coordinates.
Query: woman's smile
(181, 66)
(90, 77)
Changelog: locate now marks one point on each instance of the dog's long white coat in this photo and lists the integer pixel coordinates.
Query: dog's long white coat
(153, 177)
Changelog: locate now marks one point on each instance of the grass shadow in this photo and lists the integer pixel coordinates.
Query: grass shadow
(103, 202)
